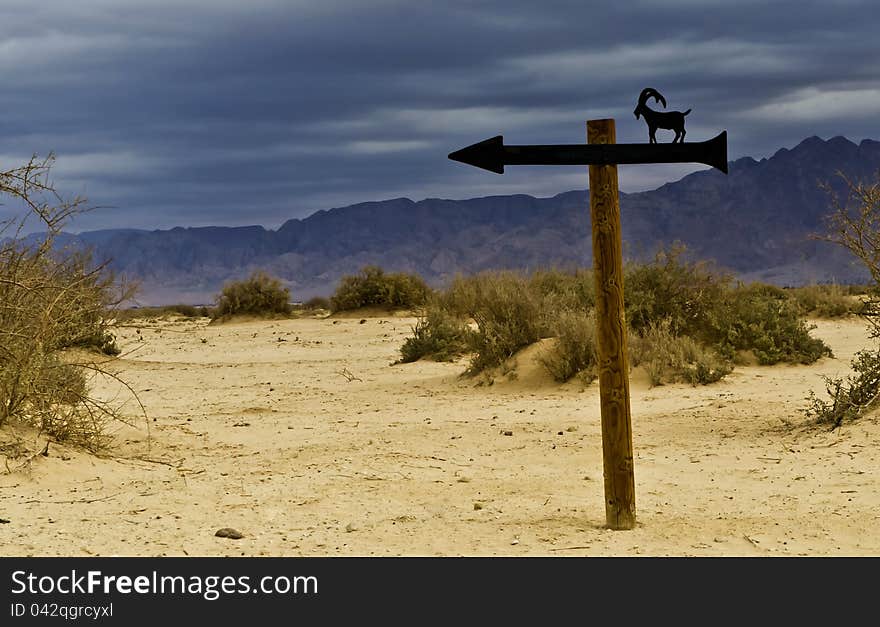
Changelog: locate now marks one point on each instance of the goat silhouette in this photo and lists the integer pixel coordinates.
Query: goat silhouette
(671, 120)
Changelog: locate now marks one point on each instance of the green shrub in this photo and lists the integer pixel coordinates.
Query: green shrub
(575, 351)
(763, 319)
(673, 289)
(510, 310)
(373, 287)
(258, 295)
(438, 335)
(702, 303)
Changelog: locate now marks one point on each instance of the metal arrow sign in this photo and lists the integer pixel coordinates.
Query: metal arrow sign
(493, 155)
(603, 155)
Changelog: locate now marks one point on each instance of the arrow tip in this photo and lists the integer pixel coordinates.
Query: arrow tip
(486, 154)
(718, 145)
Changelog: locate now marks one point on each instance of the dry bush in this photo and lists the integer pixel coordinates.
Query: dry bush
(670, 358)
(52, 300)
(576, 350)
(508, 315)
(258, 295)
(855, 225)
(854, 222)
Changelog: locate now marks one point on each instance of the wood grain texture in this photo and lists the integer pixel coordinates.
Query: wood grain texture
(620, 506)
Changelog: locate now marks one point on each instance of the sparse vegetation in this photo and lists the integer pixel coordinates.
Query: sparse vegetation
(152, 313)
(52, 300)
(373, 287)
(688, 320)
(258, 295)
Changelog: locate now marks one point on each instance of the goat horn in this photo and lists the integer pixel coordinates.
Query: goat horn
(650, 92)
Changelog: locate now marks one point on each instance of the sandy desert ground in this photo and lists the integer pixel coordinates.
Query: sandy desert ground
(302, 435)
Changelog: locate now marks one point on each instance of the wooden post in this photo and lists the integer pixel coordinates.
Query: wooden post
(617, 453)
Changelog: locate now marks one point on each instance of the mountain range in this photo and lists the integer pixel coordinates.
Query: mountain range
(756, 221)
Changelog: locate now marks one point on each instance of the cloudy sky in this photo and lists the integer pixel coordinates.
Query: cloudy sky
(197, 112)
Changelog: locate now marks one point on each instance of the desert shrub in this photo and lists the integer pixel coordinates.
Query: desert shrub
(825, 301)
(575, 351)
(702, 303)
(671, 358)
(87, 309)
(850, 397)
(259, 295)
(372, 286)
(564, 291)
(438, 335)
(507, 315)
(690, 309)
(51, 300)
(60, 406)
(854, 224)
(763, 319)
(673, 289)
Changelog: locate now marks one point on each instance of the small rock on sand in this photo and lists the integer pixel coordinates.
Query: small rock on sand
(228, 532)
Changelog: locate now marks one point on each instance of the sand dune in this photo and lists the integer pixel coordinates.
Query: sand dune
(303, 436)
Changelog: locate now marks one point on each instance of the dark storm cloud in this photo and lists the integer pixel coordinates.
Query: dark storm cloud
(218, 112)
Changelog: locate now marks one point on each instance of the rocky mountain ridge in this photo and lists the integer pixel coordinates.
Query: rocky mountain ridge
(757, 221)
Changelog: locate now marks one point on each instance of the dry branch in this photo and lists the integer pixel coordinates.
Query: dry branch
(53, 299)
(103, 498)
(349, 376)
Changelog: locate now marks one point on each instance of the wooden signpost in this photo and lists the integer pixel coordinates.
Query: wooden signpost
(602, 154)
